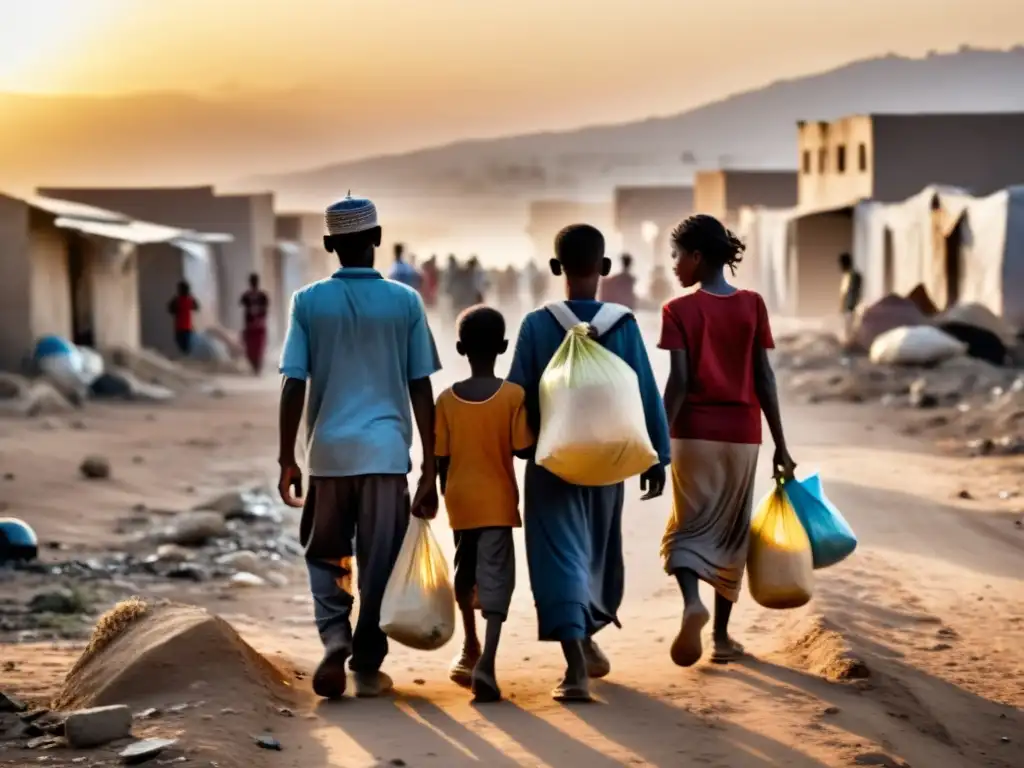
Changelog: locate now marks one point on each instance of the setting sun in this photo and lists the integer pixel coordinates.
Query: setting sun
(36, 39)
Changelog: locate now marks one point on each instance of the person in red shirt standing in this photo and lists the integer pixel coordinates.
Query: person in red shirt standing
(719, 383)
(182, 307)
(255, 305)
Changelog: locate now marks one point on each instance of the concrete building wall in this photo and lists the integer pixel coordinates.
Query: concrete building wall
(723, 193)
(836, 167)
(114, 276)
(249, 219)
(981, 153)
(160, 268)
(49, 297)
(817, 242)
(890, 158)
(15, 282)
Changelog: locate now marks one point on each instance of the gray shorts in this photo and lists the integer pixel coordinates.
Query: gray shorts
(485, 561)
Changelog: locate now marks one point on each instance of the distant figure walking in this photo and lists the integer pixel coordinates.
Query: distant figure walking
(537, 283)
(403, 272)
(182, 307)
(255, 308)
(661, 288)
(620, 288)
(850, 293)
(431, 279)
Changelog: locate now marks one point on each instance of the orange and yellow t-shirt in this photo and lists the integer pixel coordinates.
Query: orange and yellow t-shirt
(479, 438)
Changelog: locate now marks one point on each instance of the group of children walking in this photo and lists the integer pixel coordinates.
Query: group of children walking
(362, 346)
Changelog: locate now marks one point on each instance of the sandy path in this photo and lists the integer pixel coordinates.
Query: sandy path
(933, 601)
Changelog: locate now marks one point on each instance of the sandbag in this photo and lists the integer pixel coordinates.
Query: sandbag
(593, 430)
(780, 567)
(832, 539)
(919, 345)
(418, 609)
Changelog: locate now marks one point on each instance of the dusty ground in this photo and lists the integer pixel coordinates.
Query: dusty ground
(932, 602)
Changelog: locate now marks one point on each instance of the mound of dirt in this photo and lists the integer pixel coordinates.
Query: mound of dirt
(144, 655)
(817, 647)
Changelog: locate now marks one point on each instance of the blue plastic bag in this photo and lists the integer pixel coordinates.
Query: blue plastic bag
(832, 538)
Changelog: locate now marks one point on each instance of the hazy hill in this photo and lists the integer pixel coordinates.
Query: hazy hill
(755, 129)
(175, 139)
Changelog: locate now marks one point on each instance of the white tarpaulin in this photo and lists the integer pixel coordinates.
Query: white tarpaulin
(905, 244)
(901, 245)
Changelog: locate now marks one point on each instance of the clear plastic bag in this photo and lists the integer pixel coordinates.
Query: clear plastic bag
(780, 568)
(418, 609)
(593, 429)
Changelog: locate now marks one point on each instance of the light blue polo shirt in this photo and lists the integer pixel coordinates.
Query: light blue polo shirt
(359, 340)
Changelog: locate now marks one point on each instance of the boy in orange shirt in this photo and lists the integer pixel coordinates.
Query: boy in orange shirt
(480, 425)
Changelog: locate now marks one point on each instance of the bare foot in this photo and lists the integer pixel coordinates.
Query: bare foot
(687, 648)
(461, 670)
(727, 650)
(567, 692)
(598, 665)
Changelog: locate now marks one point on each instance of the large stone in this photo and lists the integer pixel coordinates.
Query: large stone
(95, 468)
(97, 726)
(144, 750)
(10, 704)
(243, 560)
(64, 601)
(193, 529)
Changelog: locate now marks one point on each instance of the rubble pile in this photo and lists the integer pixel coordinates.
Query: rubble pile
(239, 540)
(975, 404)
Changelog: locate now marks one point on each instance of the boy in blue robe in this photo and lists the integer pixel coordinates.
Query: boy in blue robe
(573, 532)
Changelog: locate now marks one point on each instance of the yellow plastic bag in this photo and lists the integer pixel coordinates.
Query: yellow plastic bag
(418, 609)
(780, 566)
(592, 425)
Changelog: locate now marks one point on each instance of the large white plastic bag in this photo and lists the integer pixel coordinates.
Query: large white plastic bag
(418, 609)
(916, 345)
(592, 425)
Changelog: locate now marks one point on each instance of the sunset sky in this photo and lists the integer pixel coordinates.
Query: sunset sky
(539, 63)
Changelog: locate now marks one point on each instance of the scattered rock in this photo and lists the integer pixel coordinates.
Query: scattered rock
(44, 742)
(97, 726)
(277, 579)
(188, 572)
(965, 494)
(941, 647)
(398, 762)
(243, 560)
(144, 750)
(244, 580)
(10, 704)
(266, 741)
(172, 553)
(62, 601)
(147, 714)
(193, 529)
(285, 712)
(830, 711)
(95, 468)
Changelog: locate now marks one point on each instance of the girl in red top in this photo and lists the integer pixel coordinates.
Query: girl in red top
(720, 382)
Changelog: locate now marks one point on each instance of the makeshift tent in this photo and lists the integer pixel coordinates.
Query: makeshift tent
(960, 248)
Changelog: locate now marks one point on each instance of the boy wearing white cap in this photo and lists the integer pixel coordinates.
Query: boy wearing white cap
(363, 345)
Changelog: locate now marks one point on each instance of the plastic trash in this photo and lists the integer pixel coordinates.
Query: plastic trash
(917, 345)
(17, 540)
(418, 609)
(780, 567)
(593, 430)
(832, 539)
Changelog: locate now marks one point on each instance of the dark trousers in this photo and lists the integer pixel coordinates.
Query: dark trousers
(184, 341)
(365, 516)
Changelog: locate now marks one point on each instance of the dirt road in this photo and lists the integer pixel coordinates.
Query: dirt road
(932, 603)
